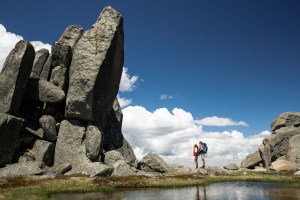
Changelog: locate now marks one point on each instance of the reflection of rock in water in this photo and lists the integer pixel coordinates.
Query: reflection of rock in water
(283, 193)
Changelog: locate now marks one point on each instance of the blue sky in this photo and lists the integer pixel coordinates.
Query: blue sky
(230, 59)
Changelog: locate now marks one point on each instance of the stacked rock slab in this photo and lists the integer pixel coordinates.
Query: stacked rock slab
(283, 143)
(96, 69)
(95, 75)
(13, 81)
(38, 123)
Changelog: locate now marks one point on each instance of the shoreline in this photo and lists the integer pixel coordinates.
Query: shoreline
(35, 187)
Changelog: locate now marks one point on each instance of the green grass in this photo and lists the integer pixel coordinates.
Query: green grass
(36, 188)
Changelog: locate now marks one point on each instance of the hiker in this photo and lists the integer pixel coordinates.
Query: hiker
(195, 153)
(202, 152)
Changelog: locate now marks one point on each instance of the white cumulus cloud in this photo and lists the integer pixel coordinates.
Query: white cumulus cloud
(128, 83)
(8, 41)
(219, 121)
(166, 97)
(172, 134)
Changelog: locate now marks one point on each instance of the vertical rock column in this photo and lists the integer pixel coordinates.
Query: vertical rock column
(96, 69)
(94, 79)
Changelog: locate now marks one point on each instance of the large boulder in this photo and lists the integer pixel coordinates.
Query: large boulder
(93, 142)
(70, 146)
(10, 128)
(45, 74)
(15, 76)
(285, 165)
(71, 36)
(231, 166)
(112, 157)
(293, 153)
(127, 152)
(280, 143)
(122, 168)
(45, 91)
(61, 55)
(39, 61)
(96, 69)
(48, 125)
(251, 160)
(154, 163)
(265, 151)
(286, 119)
(93, 169)
(180, 169)
(44, 151)
(28, 168)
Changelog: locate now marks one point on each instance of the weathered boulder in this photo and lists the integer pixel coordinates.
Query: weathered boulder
(180, 169)
(127, 152)
(71, 36)
(216, 170)
(61, 55)
(44, 151)
(93, 142)
(113, 137)
(200, 171)
(15, 76)
(45, 74)
(284, 165)
(112, 157)
(39, 61)
(122, 168)
(280, 142)
(265, 151)
(10, 128)
(70, 147)
(293, 153)
(251, 160)
(60, 78)
(93, 169)
(48, 125)
(28, 168)
(153, 163)
(286, 119)
(231, 166)
(44, 91)
(96, 69)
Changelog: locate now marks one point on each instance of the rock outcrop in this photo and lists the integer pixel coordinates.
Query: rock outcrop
(153, 163)
(283, 142)
(96, 69)
(14, 77)
(60, 108)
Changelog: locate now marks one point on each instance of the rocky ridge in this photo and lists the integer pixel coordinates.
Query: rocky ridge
(279, 151)
(58, 110)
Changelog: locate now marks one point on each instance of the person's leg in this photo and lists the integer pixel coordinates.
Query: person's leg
(196, 161)
(203, 161)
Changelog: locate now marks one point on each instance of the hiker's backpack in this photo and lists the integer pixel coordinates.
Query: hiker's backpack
(205, 148)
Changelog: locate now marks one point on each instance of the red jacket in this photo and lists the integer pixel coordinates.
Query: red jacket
(195, 151)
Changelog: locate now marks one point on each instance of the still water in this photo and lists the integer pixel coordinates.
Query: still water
(216, 191)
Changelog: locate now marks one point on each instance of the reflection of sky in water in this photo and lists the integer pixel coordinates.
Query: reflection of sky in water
(216, 191)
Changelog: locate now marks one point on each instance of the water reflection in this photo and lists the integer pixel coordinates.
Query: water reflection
(222, 191)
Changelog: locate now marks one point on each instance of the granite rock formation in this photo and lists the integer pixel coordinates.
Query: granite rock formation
(60, 108)
(283, 144)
